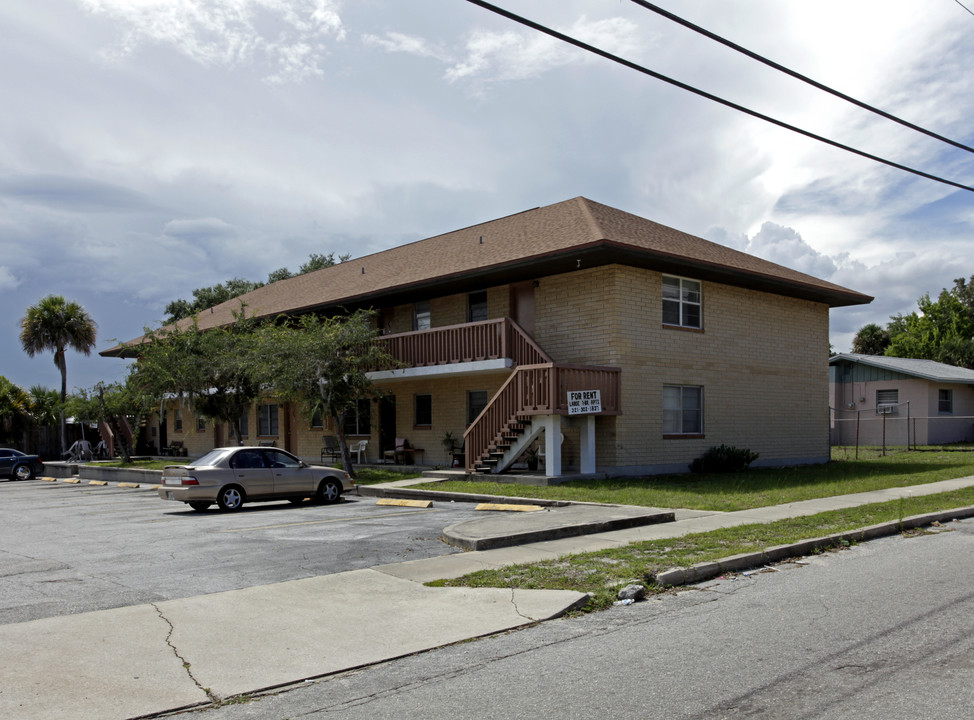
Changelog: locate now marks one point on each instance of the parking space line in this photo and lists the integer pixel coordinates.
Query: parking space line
(329, 520)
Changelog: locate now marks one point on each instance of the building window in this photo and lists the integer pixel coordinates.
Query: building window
(358, 420)
(267, 420)
(945, 402)
(317, 419)
(681, 302)
(421, 315)
(244, 424)
(682, 410)
(424, 411)
(177, 421)
(886, 402)
(477, 306)
(200, 423)
(476, 402)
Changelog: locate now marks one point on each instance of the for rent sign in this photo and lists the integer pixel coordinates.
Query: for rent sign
(581, 402)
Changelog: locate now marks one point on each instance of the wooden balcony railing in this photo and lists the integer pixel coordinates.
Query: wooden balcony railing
(537, 390)
(470, 342)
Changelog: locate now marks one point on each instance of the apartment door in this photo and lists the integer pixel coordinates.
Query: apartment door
(522, 305)
(387, 423)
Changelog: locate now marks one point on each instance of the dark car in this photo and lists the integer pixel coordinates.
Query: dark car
(18, 466)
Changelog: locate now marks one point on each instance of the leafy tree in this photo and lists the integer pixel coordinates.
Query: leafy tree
(215, 371)
(323, 363)
(207, 297)
(870, 340)
(13, 410)
(942, 330)
(56, 324)
(116, 404)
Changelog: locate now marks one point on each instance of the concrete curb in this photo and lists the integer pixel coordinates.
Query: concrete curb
(746, 561)
(385, 491)
(453, 536)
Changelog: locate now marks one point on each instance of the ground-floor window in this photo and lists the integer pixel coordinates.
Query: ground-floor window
(682, 410)
(267, 420)
(200, 423)
(358, 420)
(423, 416)
(945, 402)
(476, 402)
(177, 421)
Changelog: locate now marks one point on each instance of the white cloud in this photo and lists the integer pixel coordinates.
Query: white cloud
(290, 34)
(783, 245)
(410, 44)
(8, 281)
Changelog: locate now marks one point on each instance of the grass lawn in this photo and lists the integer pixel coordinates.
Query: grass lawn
(603, 573)
(753, 488)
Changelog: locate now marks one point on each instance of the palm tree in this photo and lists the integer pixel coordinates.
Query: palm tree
(56, 324)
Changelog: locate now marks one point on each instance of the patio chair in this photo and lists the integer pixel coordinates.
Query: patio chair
(358, 450)
(329, 447)
(397, 453)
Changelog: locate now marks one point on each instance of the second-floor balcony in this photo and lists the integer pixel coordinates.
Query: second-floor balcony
(490, 345)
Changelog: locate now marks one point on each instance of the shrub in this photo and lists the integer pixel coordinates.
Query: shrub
(723, 459)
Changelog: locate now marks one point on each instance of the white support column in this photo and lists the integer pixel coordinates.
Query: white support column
(587, 444)
(552, 445)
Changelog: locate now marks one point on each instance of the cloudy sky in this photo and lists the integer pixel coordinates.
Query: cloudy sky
(150, 147)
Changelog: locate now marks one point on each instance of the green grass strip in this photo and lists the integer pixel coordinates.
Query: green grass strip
(741, 491)
(603, 572)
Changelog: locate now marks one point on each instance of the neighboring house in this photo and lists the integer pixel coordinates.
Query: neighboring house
(881, 399)
(690, 344)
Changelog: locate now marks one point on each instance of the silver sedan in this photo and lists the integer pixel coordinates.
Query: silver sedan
(231, 476)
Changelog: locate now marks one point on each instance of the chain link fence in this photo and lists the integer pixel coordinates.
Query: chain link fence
(896, 427)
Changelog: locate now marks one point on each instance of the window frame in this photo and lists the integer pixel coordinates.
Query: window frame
(945, 395)
(270, 422)
(690, 425)
(355, 418)
(177, 421)
(477, 306)
(422, 316)
(422, 410)
(473, 406)
(682, 303)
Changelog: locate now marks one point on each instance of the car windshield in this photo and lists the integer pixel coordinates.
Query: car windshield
(211, 458)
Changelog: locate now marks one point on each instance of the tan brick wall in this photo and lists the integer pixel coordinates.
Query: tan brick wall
(762, 360)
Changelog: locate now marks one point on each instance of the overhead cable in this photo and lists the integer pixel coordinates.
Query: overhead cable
(703, 93)
(964, 6)
(798, 76)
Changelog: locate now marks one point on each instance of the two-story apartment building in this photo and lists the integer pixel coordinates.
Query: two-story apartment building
(688, 343)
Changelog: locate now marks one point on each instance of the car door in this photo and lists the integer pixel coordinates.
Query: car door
(289, 477)
(253, 475)
(6, 462)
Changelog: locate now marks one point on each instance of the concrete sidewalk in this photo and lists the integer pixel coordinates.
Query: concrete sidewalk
(146, 659)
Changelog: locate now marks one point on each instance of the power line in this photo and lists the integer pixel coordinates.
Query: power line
(709, 96)
(964, 6)
(798, 76)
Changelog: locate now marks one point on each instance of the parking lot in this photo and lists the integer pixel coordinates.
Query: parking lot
(67, 549)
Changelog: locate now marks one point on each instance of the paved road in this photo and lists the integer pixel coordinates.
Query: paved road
(67, 549)
(881, 630)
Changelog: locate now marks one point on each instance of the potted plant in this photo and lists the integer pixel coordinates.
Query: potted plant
(531, 457)
(449, 443)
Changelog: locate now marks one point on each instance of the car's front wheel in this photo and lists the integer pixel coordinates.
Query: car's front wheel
(23, 472)
(230, 498)
(199, 506)
(329, 491)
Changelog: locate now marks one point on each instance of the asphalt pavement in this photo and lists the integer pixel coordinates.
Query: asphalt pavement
(147, 659)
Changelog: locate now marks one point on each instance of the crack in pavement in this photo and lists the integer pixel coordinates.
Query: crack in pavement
(186, 665)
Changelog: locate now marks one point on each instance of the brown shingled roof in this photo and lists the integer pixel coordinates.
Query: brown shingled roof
(544, 241)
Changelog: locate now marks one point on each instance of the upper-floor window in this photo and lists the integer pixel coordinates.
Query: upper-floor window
(477, 306)
(421, 315)
(945, 401)
(267, 420)
(682, 410)
(681, 302)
